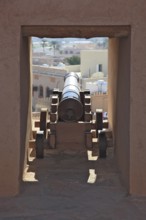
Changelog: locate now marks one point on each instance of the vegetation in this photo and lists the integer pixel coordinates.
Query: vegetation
(55, 45)
(74, 60)
(44, 43)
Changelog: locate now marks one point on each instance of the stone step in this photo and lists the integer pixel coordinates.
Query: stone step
(32, 143)
(34, 131)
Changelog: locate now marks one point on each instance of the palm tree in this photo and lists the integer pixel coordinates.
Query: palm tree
(55, 45)
(44, 43)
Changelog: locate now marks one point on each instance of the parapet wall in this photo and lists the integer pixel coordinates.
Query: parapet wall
(79, 18)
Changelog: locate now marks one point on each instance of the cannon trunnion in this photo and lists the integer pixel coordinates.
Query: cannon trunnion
(70, 123)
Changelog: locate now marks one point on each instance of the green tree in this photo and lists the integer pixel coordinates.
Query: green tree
(74, 60)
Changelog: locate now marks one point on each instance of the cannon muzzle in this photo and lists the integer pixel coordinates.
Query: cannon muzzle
(70, 107)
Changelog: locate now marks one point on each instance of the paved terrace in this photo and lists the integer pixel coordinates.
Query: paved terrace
(66, 186)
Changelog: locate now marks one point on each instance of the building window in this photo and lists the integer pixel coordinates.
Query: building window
(35, 88)
(41, 92)
(100, 67)
(48, 92)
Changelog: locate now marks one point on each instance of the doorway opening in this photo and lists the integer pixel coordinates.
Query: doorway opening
(53, 58)
(117, 35)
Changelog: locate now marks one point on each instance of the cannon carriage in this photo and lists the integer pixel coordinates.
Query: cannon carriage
(70, 122)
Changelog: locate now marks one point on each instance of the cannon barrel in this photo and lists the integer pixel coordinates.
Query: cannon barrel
(70, 107)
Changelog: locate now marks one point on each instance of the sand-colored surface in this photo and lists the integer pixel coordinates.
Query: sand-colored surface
(62, 189)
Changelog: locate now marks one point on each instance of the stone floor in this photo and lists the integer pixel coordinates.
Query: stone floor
(66, 186)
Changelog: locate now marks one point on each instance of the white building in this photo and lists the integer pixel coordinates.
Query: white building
(93, 61)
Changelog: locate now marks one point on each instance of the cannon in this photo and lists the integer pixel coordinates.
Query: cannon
(70, 122)
(70, 108)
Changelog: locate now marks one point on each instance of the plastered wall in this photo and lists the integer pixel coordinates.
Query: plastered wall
(119, 102)
(20, 19)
